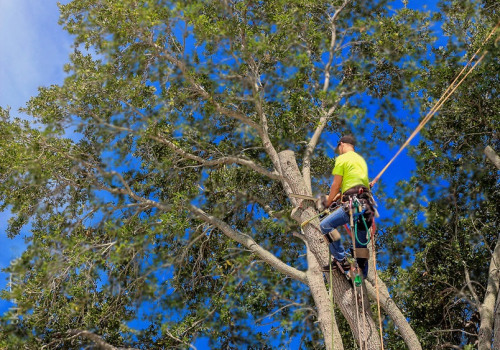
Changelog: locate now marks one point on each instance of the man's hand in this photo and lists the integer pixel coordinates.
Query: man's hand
(327, 203)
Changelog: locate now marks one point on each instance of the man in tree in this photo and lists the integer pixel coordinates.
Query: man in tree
(351, 186)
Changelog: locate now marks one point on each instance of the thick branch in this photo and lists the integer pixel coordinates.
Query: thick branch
(496, 334)
(264, 131)
(487, 309)
(248, 242)
(393, 311)
(224, 160)
(490, 153)
(324, 303)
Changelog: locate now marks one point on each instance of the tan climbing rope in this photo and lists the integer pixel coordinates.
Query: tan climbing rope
(448, 92)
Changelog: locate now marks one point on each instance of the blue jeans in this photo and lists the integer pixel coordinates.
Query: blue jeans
(338, 218)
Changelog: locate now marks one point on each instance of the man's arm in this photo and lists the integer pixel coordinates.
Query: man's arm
(334, 190)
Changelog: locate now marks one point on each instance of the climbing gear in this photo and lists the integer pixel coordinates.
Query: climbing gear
(322, 214)
(360, 205)
(342, 265)
(302, 196)
(361, 196)
(358, 281)
(332, 236)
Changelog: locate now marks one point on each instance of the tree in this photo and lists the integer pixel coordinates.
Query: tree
(452, 282)
(191, 120)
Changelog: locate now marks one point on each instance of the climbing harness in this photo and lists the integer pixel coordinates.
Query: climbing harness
(360, 206)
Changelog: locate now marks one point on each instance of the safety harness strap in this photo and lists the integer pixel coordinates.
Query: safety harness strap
(363, 253)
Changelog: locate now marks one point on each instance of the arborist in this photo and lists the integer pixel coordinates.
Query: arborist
(352, 187)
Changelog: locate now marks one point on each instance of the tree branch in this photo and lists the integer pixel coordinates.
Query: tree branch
(487, 308)
(490, 153)
(306, 168)
(224, 160)
(97, 340)
(261, 129)
(469, 285)
(248, 242)
(392, 310)
(333, 39)
(203, 93)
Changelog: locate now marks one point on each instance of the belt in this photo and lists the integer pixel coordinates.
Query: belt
(356, 190)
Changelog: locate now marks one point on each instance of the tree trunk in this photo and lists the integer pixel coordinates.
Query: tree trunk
(343, 294)
(487, 309)
(490, 153)
(496, 333)
(392, 310)
(326, 318)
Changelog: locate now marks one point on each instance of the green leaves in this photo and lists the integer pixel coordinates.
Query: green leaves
(451, 246)
(179, 103)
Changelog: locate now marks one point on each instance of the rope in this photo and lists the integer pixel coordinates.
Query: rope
(361, 214)
(354, 295)
(376, 280)
(326, 211)
(331, 297)
(372, 234)
(444, 97)
(361, 340)
(448, 92)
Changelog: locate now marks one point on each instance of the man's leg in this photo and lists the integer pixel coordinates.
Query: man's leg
(332, 221)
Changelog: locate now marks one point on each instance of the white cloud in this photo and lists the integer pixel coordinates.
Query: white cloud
(33, 49)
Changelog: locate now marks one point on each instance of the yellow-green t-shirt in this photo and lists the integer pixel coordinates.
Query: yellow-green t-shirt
(353, 169)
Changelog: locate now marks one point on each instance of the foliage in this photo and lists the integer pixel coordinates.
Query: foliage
(442, 285)
(180, 105)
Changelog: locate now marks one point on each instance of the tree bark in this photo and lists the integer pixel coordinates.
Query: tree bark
(490, 316)
(487, 308)
(343, 294)
(394, 313)
(390, 307)
(326, 318)
(496, 333)
(490, 153)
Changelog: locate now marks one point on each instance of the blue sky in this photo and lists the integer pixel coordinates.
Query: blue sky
(33, 50)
